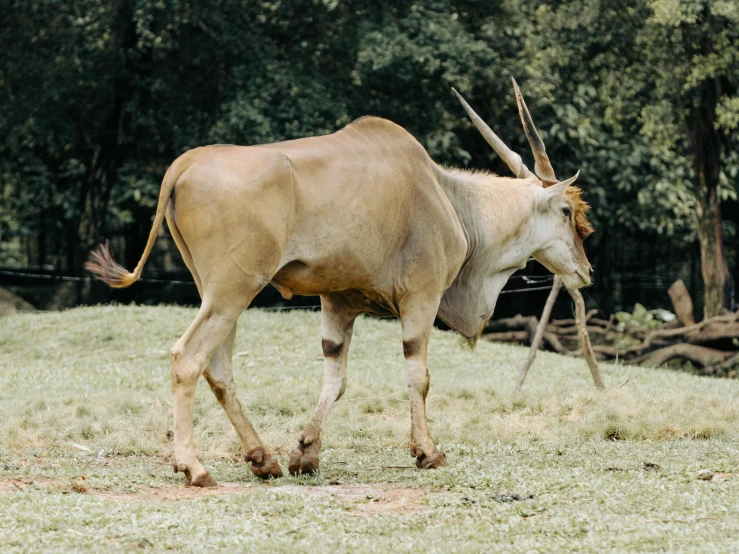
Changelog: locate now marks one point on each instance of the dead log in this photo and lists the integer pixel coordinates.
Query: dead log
(726, 364)
(601, 322)
(592, 329)
(654, 346)
(554, 343)
(553, 328)
(696, 354)
(508, 336)
(662, 334)
(516, 323)
(682, 303)
(713, 332)
(571, 321)
(602, 349)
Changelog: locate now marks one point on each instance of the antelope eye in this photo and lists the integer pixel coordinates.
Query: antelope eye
(567, 212)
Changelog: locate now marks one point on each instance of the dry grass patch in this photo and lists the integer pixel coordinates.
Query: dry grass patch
(86, 394)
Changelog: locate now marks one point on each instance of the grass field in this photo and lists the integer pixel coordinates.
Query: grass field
(85, 410)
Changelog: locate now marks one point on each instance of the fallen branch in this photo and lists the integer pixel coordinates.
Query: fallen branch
(554, 342)
(697, 354)
(516, 323)
(593, 329)
(726, 364)
(602, 322)
(677, 332)
(710, 344)
(713, 332)
(509, 336)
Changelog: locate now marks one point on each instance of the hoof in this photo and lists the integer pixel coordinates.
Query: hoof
(202, 480)
(263, 465)
(437, 459)
(303, 463)
(304, 459)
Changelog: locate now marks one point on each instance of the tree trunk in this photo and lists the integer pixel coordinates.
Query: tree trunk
(714, 269)
(107, 142)
(93, 210)
(706, 144)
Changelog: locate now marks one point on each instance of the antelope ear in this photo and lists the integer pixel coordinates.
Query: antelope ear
(554, 192)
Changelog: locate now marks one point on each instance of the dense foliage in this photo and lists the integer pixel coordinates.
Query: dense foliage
(99, 96)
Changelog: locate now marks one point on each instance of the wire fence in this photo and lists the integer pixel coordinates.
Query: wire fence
(544, 282)
(51, 277)
(536, 283)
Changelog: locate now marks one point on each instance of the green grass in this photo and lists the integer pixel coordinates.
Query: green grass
(85, 408)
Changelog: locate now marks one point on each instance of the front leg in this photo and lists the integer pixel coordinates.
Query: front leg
(337, 321)
(417, 316)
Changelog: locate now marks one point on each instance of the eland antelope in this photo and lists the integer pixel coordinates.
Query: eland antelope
(366, 220)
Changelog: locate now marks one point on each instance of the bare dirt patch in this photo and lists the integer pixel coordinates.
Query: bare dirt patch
(359, 499)
(20, 484)
(367, 499)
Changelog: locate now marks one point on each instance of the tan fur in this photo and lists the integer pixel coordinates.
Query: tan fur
(364, 219)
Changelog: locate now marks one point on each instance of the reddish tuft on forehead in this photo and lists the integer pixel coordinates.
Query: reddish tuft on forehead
(582, 225)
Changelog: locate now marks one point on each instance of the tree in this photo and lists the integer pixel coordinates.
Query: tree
(100, 94)
(697, 45)
(97, 97)
(667, 71)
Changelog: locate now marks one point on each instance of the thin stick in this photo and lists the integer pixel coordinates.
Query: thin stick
(585, 345)
(556, 285)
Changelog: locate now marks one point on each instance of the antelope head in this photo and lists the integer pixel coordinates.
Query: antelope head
(562, 223)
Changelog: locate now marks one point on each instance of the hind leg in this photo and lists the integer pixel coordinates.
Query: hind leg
(220, 378)
(190, 356)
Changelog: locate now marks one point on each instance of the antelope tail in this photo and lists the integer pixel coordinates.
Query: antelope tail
(102, 264)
